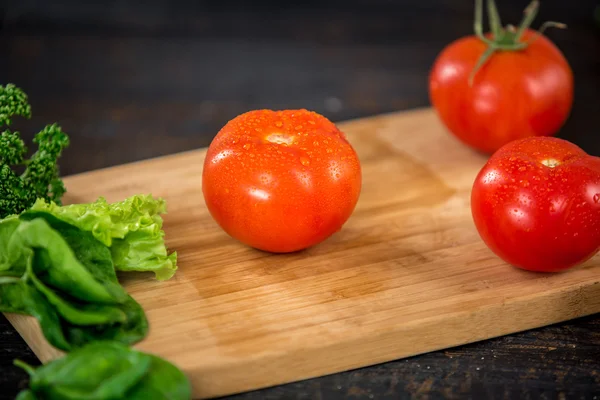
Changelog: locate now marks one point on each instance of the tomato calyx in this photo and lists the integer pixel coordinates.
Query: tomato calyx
(505, 38)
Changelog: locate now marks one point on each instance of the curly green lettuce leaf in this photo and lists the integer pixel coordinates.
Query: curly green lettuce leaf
(131, 228)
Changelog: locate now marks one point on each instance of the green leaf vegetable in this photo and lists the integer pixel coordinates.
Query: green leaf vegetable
(40, 178)
(131, 228)
(58, 264)
(65, 278)
(106, 370)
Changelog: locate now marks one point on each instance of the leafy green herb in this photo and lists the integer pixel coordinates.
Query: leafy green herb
(58, 264)
(131, 228)
(40, 178)
(106, 370)
(21, 297)
(64, 277)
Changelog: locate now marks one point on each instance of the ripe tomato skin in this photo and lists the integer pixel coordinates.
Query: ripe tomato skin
(515, 94)
(281, 181)
(537, 217)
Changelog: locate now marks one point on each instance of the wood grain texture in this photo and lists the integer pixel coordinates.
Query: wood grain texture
(407, 274)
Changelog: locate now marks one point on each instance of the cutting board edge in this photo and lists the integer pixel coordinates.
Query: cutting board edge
(498, 317)
(132, 164)
(198, 150)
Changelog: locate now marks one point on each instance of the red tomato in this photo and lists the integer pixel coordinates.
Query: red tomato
(281, 181)
(536, 204)
(515, 94)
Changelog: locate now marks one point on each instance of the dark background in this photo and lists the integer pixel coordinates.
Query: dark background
(128, 80)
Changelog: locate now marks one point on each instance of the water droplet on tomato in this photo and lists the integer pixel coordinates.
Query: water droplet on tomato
(597, 198)
(279, 124)
(329, 151)
(246, 146)
(305, 161)
(265, 178)
(522, 168)
(315, 143)
(575, 234)
(299, 127)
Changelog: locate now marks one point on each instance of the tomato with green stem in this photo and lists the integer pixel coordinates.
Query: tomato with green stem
(513, 82)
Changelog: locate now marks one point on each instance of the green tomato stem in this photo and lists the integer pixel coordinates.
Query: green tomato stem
(495, 22)
(528, 16)
(22, 364)
(482, 60)
(504, 39)
(478, 22)
(546, 25)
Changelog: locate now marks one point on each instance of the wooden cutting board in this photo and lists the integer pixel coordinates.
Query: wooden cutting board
(407, 274)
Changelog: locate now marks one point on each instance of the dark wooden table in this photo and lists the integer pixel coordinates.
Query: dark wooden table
(129, 81)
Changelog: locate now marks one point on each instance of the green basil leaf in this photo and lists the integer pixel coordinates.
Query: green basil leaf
(107, 370)
(93, 256)
(12, 295)
(134, 329)
(23, 298)
(26, 395)
(68, 321)
(164, 381)
(99, 371)
(79, 314)
(61, 267)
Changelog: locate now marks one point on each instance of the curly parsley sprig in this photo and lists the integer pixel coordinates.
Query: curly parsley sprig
(40, 178)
